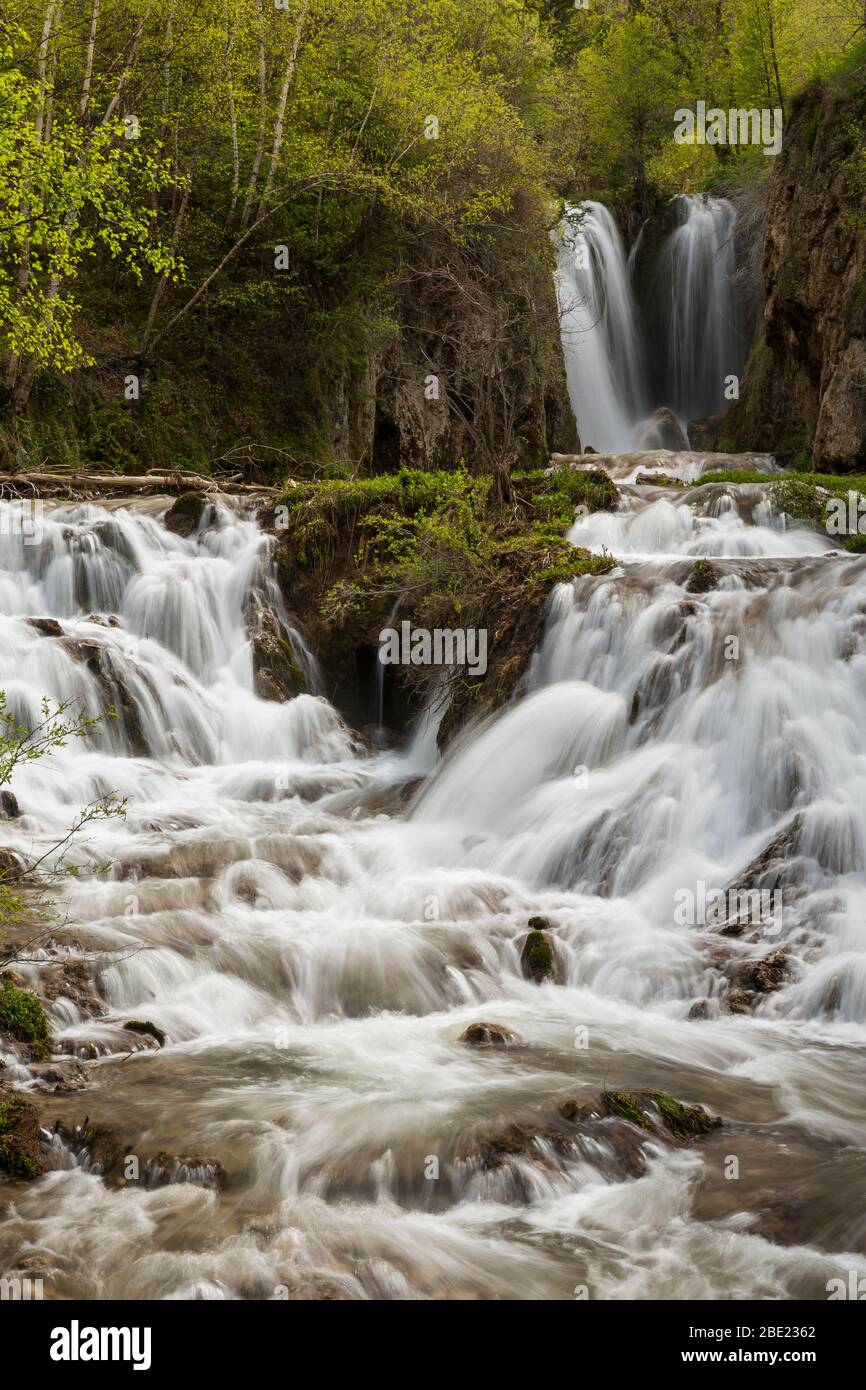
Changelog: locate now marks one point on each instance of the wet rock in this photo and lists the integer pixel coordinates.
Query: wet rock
(60, 1076)
(488, 1035)
(703, 578)
(611, 1131)
(100, 1147)
(515, 1141)
(104, 619)
(164, 1169)
(536, 958)
(21, 1149)
(740, 1001)
(769, 973)
(700, 1009)
(9, 808)
(704, 434)
(72, 979)
(775, 863)
(102, 663)
(276, 673)
(663, 431)
(48, 627)
(753, 978)
(185, 513)
(653, 1111)
(12, 865)
(146, 1029)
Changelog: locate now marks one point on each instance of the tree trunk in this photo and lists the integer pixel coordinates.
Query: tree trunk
(291, 64)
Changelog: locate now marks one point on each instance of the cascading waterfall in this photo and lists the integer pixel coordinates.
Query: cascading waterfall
(599, 326)
(314, 948)
(671, 349)
(696, 271)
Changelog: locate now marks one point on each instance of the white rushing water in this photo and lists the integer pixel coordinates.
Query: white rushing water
(600, 330)
(696, 276)
(638, 372)
(314, 936)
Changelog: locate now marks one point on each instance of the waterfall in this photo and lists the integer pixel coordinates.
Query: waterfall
(661, 340)
(314, 937)
(699, 306)
(599, 326)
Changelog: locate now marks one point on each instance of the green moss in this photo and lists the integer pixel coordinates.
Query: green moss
(16, 1159)
(683, 1121)
(144, 1026)
(625, 1105)
(23, 1018)
(702, 578)
(537, 956)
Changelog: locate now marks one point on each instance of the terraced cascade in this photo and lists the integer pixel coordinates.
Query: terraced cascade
(337, 1023)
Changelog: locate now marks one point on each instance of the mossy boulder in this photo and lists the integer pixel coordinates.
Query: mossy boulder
(276, 673)
(437, 549)
(536, 958)
(684, 1122)
(703, 578)
(146, 1029)
(23, 1019)
(653, 1111)
(185, 513)
(20, 1144)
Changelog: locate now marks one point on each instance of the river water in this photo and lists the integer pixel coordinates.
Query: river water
(313, 926)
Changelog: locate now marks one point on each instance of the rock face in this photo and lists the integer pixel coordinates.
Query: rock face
(276, 673)
(804, 391)
(184, 515)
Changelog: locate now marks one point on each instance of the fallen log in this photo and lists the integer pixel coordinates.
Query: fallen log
(82, 484)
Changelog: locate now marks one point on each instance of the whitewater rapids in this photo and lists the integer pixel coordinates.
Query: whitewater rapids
(313, 935)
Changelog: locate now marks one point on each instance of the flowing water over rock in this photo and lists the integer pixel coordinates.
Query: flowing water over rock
(645, 357)
(313, 933)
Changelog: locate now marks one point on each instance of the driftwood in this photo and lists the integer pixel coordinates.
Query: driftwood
(85, 484)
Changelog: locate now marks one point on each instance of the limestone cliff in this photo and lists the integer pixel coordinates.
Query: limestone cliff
(804, 390)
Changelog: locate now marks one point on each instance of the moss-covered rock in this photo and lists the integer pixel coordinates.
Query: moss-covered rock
(20, 1145)
(23, 1019)
(185, 513)
(276, 672)
(703, 578)
(684, 1121)
(146, 1029)
(437, 550)
(536, 958)
(627, 1107)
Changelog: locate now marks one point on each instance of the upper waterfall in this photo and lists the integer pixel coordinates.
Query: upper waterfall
(600, 329)
(665, 340)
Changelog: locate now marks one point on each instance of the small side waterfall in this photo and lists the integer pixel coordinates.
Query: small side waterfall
(600, 329)
(699, 306)
(658, 330)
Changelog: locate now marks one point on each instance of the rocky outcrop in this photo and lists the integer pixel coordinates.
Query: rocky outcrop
(276, 673)
(185, 513)
(433, 394)
(488, 1035)
(803, 395)
(612, 1129)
